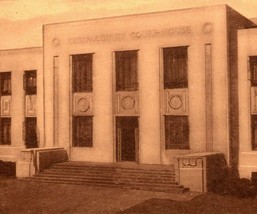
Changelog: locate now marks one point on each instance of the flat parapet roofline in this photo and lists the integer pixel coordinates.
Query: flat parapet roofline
(138, 14)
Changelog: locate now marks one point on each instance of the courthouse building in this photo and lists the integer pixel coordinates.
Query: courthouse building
(140, 88)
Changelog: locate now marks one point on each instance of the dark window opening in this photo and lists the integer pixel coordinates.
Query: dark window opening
(82, 131)
(253, 70)
(126, 70)
(31, 140)
(6, 88)
(176, 132)
(5, 128)
(82, 73)
(254, 132)
(175, 67)
(30, 82)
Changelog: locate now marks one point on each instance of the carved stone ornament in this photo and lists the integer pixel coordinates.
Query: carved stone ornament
(83, 104)
(56, 42)
(6, 106)
(31, 102)
(176, 101)
(207, 27)
(127, 103)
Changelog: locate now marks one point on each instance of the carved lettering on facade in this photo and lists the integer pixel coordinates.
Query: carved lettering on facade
(144, 34)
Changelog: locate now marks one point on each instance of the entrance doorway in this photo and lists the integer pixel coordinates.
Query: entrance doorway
(127, 133)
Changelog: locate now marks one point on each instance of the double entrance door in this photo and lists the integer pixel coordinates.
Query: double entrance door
(127, 137)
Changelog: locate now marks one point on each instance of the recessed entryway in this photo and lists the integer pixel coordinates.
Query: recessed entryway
(127, 139)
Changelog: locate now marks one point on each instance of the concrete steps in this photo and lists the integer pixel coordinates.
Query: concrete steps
(143, 177)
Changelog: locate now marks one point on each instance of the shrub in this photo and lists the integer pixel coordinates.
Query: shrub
(240, 187)
(7, 168)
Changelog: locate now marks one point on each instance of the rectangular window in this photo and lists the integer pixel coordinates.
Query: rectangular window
(82, 65)
(175, 67)
(253, 70)
(31, 140)
(254, 132)
(126, 70)
(176, 132)
(6, 88)
(5, 128)
(30, 82)
(82, 131)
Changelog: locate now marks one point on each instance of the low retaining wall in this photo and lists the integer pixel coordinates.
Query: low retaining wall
(32, 161)
(46, 158)
(200, 171)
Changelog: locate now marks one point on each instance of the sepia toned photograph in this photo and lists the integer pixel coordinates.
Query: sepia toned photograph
(123, 107)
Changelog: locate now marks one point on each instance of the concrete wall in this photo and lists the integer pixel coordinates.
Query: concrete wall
(248, 157)
(148, 33)
(17, 61)
(235, 21)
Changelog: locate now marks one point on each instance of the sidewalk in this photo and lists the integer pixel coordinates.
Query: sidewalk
(31, 197)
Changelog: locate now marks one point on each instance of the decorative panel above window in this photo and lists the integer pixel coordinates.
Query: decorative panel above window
(83, 104)
(6, 87)
(6, 106)
(176, 101)
(176, 132)
(30, 82)
(126, 70)
(127, 103)
(31, 108)
(82, 66)
(175, 67)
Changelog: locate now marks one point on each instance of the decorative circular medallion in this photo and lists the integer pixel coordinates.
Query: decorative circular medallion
(83, 104)
(175, 102)
(56, 42)
(127, 103)
(207, 27)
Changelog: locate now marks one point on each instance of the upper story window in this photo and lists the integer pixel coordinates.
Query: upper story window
(126, 70)
(175, 67)
(6, 87)
(82, 69)
(253, 70)
(30, 82)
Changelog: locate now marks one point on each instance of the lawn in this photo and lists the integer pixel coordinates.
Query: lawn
(32, 197)
(207, 203)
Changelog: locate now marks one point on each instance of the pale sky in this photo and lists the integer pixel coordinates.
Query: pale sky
(21, 20)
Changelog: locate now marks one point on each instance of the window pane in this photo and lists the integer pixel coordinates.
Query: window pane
(6, 83)
(253, 68)
(31, 132)
(175, 67)
(82, 72)
(176, 132)
(5, 131)
(254, 132)
(82, 131)
(30, 82)
(126, 70)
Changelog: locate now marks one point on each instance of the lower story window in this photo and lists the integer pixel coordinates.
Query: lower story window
(254, 132)
(82, 131)
(31, 140)
(5, 129)
(176, 132)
